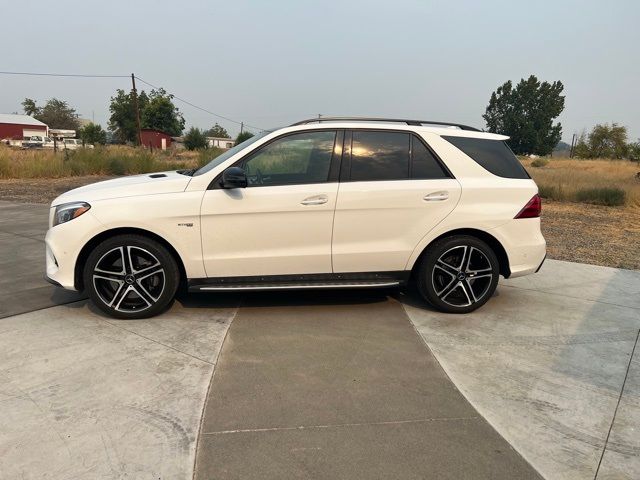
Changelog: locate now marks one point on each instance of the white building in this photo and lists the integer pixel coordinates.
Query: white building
(218, 142)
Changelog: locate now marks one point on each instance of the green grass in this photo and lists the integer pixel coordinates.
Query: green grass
(611, 197)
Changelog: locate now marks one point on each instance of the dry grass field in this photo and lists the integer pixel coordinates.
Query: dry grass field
(562, 179)
(109, 160)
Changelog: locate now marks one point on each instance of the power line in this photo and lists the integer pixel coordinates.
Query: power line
(202, 109)
(80, 75)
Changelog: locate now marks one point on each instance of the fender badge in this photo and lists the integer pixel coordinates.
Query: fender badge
(185, 224)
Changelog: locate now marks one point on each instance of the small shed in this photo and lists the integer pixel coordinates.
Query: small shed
(155, 138)
(17, 127)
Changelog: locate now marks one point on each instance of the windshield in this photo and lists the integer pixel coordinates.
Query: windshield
(228, 154)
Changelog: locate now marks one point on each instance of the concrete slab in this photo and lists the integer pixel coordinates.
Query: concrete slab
(22, 286)
(83, 396)
(335, 389)
(622, 456)
(545, 361)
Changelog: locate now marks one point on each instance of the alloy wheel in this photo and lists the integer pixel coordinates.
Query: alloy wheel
(462, 276)
(129, 279)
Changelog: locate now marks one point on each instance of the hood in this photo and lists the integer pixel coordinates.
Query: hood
(135, 185)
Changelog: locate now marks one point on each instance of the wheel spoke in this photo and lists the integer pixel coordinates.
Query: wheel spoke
(145, 272)
(468, 290)
(450, 269)
(113, 277)
(119, 296)
(143, 294)
(127, 261)
(451, 286)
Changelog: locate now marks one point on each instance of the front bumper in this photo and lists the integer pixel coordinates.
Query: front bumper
(63, 244)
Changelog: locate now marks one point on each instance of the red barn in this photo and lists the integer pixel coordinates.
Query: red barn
(17, 127)
(155, 138)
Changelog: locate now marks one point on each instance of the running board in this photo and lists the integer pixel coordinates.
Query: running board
(291, 286)
(300, 282)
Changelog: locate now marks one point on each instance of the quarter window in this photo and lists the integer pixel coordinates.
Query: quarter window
(379, 156)
(295, 159)
(424, 165)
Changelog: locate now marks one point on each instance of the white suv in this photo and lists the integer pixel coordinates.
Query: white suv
(324, 203)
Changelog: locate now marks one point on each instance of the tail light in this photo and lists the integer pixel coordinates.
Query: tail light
(532, 209)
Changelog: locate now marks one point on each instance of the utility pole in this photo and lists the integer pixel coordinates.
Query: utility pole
(241, 127)
(134, 94)
(573, 145)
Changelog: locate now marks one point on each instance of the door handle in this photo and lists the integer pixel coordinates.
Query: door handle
(315, 200)
(436, 197)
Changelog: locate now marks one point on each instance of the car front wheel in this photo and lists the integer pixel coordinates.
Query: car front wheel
(131, 276)
(458, 274)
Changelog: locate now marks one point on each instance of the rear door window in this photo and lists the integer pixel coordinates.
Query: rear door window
(379, 155)
(493, 155)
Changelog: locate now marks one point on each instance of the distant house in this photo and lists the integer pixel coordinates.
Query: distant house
(220, 142)
(155, 138)
(17, 127)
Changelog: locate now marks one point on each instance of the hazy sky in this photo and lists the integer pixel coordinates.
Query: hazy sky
(270, 63)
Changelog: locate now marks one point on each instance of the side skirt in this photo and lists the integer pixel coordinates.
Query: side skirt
(296, 282)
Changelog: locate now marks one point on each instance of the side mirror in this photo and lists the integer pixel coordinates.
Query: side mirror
(234, 177)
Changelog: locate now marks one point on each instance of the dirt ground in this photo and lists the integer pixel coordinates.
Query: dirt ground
(575, 232)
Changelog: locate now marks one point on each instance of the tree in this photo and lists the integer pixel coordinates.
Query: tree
(604, 141)
(30, 108)
(122, 122)
(526, 114)
(634, 151)
(195, 139)
(161, 114)
(92, 133)
(56, 113)
(217, 131)
(243, 136)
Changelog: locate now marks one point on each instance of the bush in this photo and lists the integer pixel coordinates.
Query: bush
(550, 192)
(195, 139)
(539, 162)
(602, 196)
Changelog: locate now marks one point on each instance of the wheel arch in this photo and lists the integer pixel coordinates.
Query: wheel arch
(493, 242)
(102, 236)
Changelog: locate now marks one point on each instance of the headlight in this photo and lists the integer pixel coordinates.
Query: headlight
(69, 211)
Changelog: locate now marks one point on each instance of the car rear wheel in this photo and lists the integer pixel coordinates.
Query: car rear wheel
(131, 276)
(458, 274)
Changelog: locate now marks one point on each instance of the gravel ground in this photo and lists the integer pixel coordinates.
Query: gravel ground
(575, 232)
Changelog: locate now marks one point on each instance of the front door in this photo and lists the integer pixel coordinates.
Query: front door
(281, 223)
(393, 191)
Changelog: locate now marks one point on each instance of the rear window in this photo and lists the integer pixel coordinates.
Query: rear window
(493, 155)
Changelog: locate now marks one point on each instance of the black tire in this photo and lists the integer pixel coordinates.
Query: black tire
(458, 274)
(131, 276)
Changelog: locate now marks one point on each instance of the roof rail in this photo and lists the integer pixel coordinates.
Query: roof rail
(387, 120)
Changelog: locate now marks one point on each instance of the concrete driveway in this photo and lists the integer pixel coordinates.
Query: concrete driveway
(542, 380)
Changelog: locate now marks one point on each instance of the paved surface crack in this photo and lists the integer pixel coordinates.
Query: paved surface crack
(343, 425)
(615, 412)
(159, 343)
(569, 296)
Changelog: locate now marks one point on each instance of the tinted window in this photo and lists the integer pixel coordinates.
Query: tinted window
(493, 155)
(424, 164)
(294, 159)
(228, 154)
(379, 156)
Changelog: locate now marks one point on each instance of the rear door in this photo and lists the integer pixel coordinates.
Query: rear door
(393, 191)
